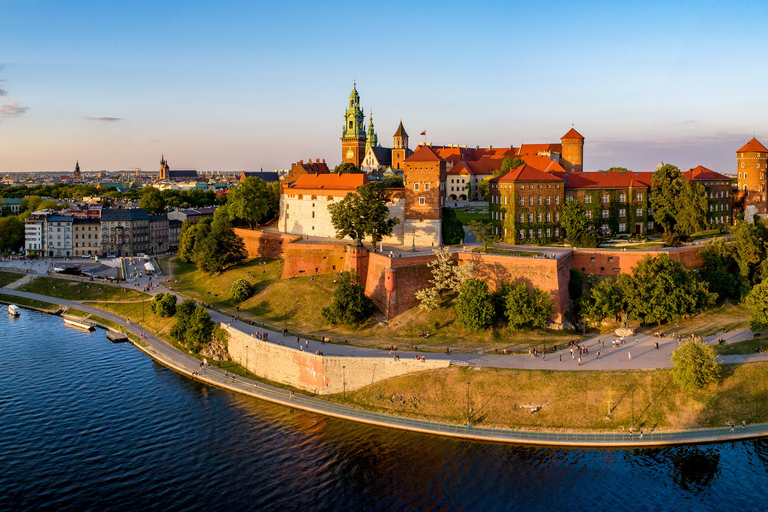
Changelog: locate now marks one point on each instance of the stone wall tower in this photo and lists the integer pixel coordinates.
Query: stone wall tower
(400, 149)
(353, 135)
(751, 169)
(424, 181)
(572, 158)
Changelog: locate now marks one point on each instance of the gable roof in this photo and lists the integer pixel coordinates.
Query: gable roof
(702, 173)
(331, 181)
(267, 176)
(461, 168)
(753, 145)
(572, 134)
(400, 131)
(605, 180)
(526, 173)
(424, 154)
(383, 155)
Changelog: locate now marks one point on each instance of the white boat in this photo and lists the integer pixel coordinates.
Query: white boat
(14, 310)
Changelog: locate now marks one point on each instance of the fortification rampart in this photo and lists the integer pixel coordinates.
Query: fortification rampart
(322, 375)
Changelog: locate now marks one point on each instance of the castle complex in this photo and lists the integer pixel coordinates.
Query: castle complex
(525, 203)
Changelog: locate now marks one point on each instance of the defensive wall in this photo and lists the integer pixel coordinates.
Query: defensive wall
(392, 281)
(322, 375)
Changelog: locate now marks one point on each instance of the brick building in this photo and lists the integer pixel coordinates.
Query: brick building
(124, 232)
(424, 180)
(86, 233)
(719, 193)
(751, 165)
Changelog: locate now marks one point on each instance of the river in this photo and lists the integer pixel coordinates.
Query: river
(86, 424)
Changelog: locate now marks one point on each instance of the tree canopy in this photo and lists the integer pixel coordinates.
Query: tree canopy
(757, 301)
(485, 232)
(453, 229)
(350, 305)
(253, 201)
(364, 213)
(474, 305)
(526, 308)
(695, 365)
(241, 290)
(347, 168)
(677, 204)
(193, 327)
(163, 304)
(211, 243)
(11, 233)
(573, 220)
(153, 201)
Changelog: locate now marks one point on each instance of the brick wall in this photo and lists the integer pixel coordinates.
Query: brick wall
(323, 375)
(302, 259)
(603, 262)
(265, 244)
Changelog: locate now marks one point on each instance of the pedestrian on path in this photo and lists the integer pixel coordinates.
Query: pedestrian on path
(629, 355)
(598, 354)
(579, 360)
(561, 358)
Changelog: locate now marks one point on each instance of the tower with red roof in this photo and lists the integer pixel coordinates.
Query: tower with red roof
(751, 168)
(572, 158)
(424, 182)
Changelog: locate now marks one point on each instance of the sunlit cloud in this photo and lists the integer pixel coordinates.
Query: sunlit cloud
(12, 109)
(105, 119)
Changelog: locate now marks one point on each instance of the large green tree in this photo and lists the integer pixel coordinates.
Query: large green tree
(692, 210)
(187, 239)
(364, 213)
(253, 202)
(347, 168)
(485, 232)
(749, 245)
(350, 304)
(193, 327)
(757, 301)
(474, 305)
(217, 246)
(605, 300)
(163, 304)
(527, 308)
(445, 277)
(667, 188)
(663, 290)
(721, 270)
(695, 366)
(153, 201)
(453, 229)
(573, 220)
(241, 290)
(11, 233)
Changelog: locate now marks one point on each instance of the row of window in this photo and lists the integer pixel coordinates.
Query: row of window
(522, 187)
(539, 233)
(606, 198)
(539, 200)
(717, 207)
(539, 217)
(718, 194)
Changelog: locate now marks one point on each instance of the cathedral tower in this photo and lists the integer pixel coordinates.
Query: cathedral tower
(373, 139)
(163, 168)
(353, 135)
(572, 158)
(400, 149)
(77, 176)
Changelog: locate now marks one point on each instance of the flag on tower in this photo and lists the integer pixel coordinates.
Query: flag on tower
(423, 133)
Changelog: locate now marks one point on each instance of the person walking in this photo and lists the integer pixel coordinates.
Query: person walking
(579, 360)
(629, 354)
(561, 358)
(598, 354)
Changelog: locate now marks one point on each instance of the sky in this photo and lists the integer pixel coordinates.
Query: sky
(237, 86)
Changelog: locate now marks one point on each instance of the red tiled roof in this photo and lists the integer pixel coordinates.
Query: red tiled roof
(605, 179)
(533, 149)
(526, 173)
(424, 154)
(460, 168)
(331, 181)
(702, 173)
(753, 145)
(572, 134)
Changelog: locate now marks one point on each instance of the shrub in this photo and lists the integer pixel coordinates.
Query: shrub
(695, 365)
(164, 304)
(241, 290)
(350, 305)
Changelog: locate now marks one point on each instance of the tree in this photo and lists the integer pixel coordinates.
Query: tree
(692, 208)
(508, 164)
(757, 301)
(573, 220)
(393, 182)
(749, 245)
(540, 307)
(253, 202)
(605, 300)
(163, 304)
(518, 307)
(695, 365)
(445, 276)
(350, 305)
(364, 213)
(241, 290)
(217, 246)
(483, 188)
(11, 233)
(663, 290)
(485, 232)
(187, 239)
(474, 306)
(347, 168)
(193, 327)
(617, 169)
(453, 229)
(721, 271)
(153, 201)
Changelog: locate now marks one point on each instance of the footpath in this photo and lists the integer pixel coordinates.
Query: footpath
(191, 367)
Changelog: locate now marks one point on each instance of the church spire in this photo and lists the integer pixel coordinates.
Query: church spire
(373, 140)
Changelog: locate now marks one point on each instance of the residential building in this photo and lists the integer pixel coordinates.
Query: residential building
(158, 234)
(124, 232)
(58, 235)
(11, 203)
(174, 230)
(86, 236)
(35, 231)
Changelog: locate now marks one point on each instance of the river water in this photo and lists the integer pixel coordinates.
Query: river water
(90, 425)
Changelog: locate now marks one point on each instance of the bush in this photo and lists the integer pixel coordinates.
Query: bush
(193, 327)
(453, 230)
(671, 239)
(241, 290)
(350, 305)
(474, 307)
(164, 304)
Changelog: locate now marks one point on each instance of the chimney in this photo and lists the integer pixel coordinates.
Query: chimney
(490, 147)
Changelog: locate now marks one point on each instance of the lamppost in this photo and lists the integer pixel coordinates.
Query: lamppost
(344, 380)
(468, 417)
(633, 407)
(246, 360)
(285, 320)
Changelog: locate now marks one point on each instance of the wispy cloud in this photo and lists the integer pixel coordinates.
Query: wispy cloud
(3, 92)
(105, 119)
(12, 109)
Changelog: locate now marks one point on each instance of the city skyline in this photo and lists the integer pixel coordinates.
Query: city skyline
(252, 86)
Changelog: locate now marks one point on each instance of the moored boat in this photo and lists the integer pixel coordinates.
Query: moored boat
(76, 322)
(14, 310)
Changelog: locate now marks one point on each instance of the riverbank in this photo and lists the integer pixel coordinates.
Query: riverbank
(187, 365)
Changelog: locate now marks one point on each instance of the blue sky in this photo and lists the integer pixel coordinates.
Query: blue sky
(243, 86)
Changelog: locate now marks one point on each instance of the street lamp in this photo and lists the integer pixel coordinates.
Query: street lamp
(344, 380)
(633, 407)
(468, 418)
(285, 320)
(246, 361)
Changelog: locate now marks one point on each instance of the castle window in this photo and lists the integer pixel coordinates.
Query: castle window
(538, 233)
(415, 186)
(549, 232)
(538, 217)
(530, 218)
(530, 201)
(606, 198)
(530, 233)
(539, 185)
(549, 200)
(557, 217)
(605, 214)
(622, 227)
(639, 196)
(589, 214)
(530, 187)
(639, 212)
(522, 233)
(557, 199)
(522, 201)
(745, 175)
(622, 198)
(422, 201)
(522, 187)
(538, 200)
(522, 218)
(426, 186)
(557, 232)
(587, 199)
(739, 175)
(742, 165)
(622, 212)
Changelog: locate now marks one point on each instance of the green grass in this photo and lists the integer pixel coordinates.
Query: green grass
(705, 234)
(741, 347)
(586, 400)
(494, 250)
(467, 217)
(139, 315)
(23, 301)
(165, 265)
(649, 245)
(81, 290)
(7, 278)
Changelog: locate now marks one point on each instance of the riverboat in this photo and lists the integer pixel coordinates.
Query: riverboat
(13, 310)
(76, 322)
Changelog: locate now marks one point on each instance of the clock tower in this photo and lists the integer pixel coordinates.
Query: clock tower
(353, 135)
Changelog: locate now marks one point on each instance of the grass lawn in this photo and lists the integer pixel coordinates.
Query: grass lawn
(165, 265)
(467, 217)
(296, 304)
(649, 245)
(601, 401)
(494, 250)
(741, 347)
(705, 234)
(81, 290)
(7, 278)
(22, 301)
(137, 314)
